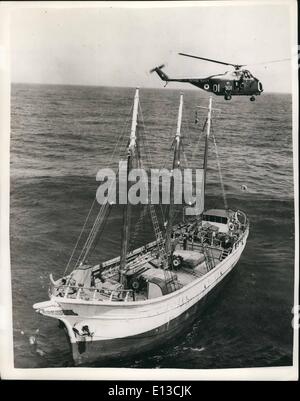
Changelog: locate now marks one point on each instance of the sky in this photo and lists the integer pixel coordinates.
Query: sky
(114, 46)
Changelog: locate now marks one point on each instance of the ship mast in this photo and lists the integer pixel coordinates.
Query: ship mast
(208, 125)
(176, 164)
(127, 207)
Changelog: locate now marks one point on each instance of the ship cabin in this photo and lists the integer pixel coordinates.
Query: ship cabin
(218, 218)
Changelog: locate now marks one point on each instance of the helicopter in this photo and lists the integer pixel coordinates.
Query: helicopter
(239, 82)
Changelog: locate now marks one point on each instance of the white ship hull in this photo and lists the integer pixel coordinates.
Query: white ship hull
(121, 329)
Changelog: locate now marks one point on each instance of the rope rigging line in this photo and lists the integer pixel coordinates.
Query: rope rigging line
(100, 215)
(79, 237)
(96, 226)
(165, 208)
(100, 231)
(157, 230)
(186, 121)
(220, 171)
(164, 211)
(197, 146)
(146, 148)
(137, 227)
(121, 136)
(91, 236)
(143, 213)
(186, 164)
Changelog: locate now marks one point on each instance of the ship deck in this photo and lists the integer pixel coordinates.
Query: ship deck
(197, 249)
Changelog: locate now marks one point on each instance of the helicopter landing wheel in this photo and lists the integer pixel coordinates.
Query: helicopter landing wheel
(252, 99)
(227, 96)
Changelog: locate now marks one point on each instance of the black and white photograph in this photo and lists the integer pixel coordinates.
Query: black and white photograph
(149, 190)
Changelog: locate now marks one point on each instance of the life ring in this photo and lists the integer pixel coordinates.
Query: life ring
(176, 262)
(135, 285)
(206, 86)
(231, 226)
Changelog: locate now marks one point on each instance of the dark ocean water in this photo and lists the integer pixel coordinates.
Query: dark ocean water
(62, 135)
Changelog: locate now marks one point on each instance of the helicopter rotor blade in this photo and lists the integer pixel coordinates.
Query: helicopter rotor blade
(213, 61)
(271, 62)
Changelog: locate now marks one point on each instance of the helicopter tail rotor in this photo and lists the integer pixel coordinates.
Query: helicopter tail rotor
(160, 73)
(157, 68)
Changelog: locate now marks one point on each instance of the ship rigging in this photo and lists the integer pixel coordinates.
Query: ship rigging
(145, 296)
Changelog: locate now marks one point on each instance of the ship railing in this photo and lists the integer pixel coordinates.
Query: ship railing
(198, 243)
(91, 293)
(245, 223)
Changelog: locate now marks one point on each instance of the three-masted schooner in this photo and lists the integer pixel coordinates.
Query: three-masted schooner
(143, 298)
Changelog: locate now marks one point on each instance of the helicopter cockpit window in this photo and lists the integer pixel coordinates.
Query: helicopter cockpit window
(247, 74)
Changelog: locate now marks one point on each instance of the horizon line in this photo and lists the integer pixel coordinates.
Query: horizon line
(124, 86)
